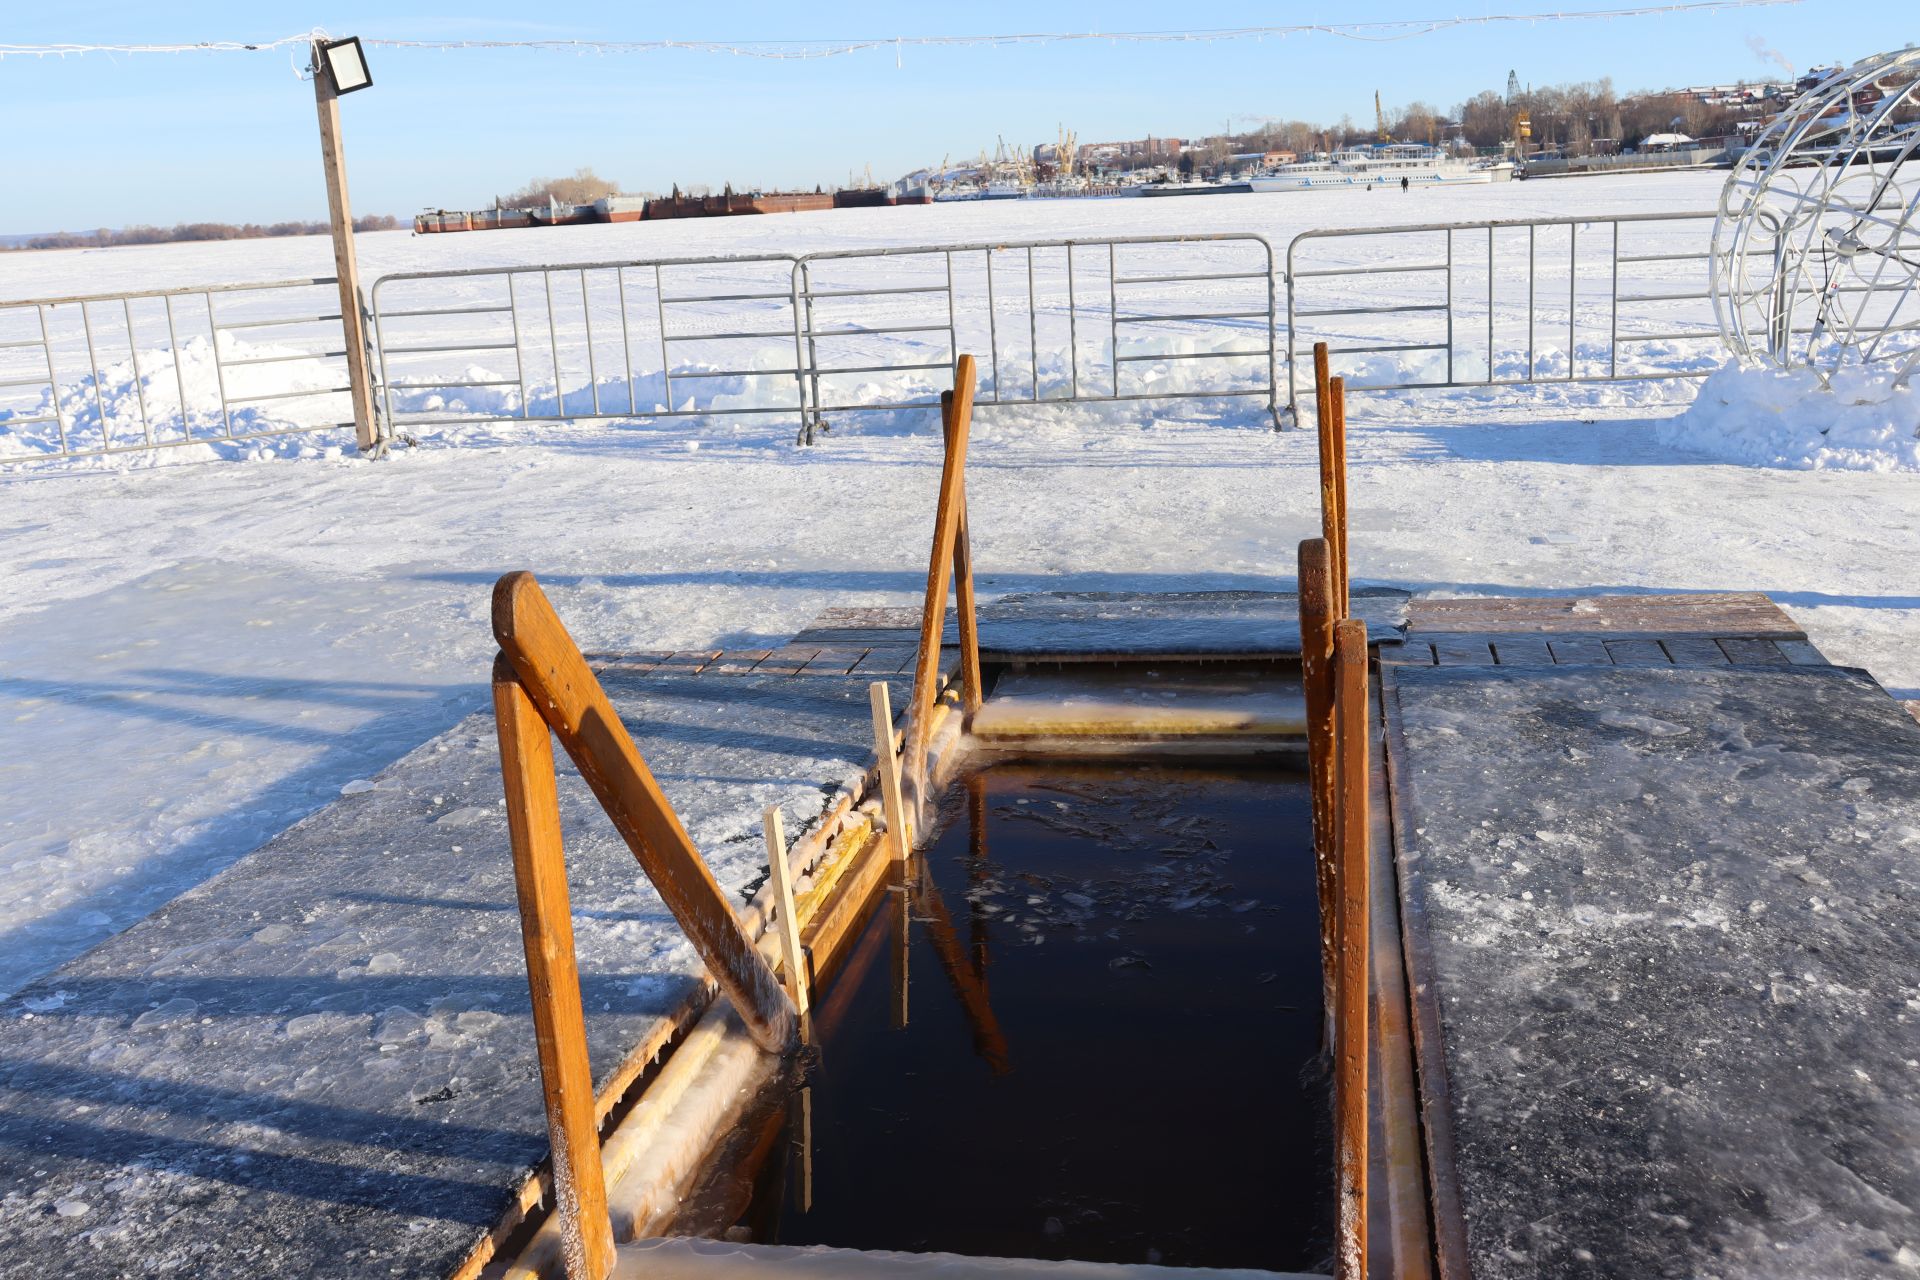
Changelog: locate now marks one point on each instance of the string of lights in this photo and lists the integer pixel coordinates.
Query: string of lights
(809, 49)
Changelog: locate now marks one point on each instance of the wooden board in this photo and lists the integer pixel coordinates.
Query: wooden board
(1400, 1244)
(1228, 703)
(1742, 613)
(1108, 626)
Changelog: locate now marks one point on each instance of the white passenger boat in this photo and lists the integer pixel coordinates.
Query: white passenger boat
(1382, 166)
(1001, 189)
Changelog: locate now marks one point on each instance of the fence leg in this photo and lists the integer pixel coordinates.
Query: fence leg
(946, 535)
(563, 687)
(546, 929)
(1351, 723)
(1316, 662)
(893, 803)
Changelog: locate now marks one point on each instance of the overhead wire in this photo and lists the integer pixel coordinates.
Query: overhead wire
(813, 48)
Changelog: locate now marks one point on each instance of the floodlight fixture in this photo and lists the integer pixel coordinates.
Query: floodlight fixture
(345, 64)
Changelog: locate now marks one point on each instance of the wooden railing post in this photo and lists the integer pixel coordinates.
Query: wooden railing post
(570, 699)
(893, 805)
(791, 952)
(1329, 464)
(933, 621)
(1316, 675)
(971, 694)
(1352, 880)
(1335, 518)
(546, 930)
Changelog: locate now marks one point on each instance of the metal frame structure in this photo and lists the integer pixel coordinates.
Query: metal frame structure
(1819, 201)
(153, 418)
(1449, 264)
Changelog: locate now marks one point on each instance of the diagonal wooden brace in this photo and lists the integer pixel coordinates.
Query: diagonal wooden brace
(570, 699)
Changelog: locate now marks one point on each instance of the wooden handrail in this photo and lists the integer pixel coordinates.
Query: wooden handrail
(1353, 929)
(1337, 518)
(1316, 677)
(548, 663)
(947, 519)
(1330, 414)
(553, 978)
(971, 694)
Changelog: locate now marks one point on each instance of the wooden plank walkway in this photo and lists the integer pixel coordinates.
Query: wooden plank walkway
(1720, 629)
(788, 660)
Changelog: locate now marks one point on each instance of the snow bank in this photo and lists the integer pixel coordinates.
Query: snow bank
(178, 403)
(1788, 418)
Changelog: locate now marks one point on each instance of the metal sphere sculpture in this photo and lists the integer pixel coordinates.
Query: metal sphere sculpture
(1816, 250)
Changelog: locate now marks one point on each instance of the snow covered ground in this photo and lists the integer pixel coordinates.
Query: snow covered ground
(194, 654)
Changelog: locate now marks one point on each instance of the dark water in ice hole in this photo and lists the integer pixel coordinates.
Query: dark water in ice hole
(1111, 1044)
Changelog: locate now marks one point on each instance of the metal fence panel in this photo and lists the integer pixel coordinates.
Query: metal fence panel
(97, 374)
(817, 336)
(588, 340)
(828, 333)
(1070, 320)
(1504, 302)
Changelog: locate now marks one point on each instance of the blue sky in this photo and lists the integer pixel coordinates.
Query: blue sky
(107, 140)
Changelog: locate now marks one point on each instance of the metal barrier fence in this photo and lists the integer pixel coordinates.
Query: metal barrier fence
(829, 333)
(99, 374)
(813, 336)
(438, 334)
(1504, 302)
(1081, 321)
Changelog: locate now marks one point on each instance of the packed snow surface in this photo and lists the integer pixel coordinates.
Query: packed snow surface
(196, 653)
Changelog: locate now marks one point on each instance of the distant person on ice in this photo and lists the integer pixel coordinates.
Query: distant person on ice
(1403, 184)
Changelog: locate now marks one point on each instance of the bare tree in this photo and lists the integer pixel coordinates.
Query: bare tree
(584, 187)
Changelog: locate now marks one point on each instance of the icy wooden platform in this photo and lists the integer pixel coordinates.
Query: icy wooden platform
(1717, 629)
(1106, 626)
(321, 1062)
(1662, 927)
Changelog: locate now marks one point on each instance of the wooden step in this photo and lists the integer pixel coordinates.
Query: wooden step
(1226, 702)
(692, 1259)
